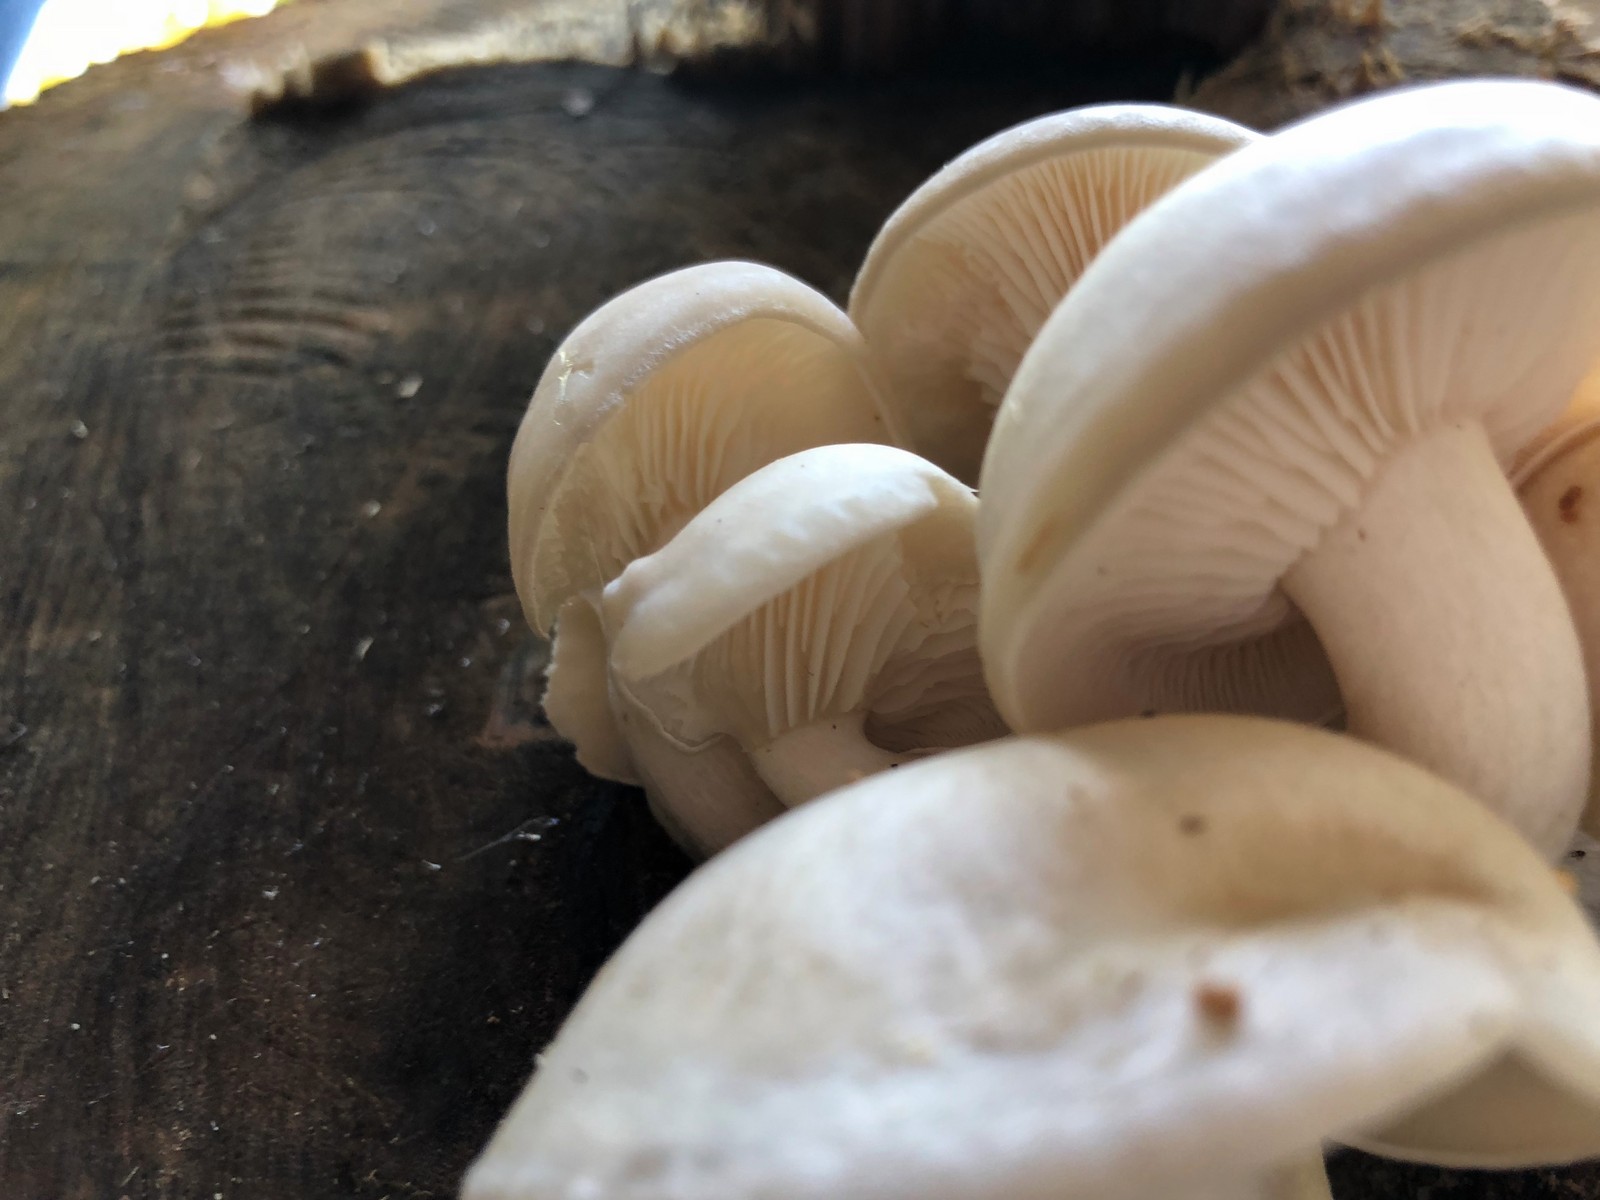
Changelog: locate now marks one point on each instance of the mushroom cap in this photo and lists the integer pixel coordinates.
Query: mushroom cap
(706, 798)
(1229, 375)
(577, 697)
(659, 400)
(836, 578)
(966, 270)
(1100, 964)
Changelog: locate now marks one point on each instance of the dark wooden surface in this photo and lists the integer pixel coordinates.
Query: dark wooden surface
(293, 880)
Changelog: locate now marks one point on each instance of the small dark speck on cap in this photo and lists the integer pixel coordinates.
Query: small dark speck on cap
(1218, 1003)
(1568, 504)
(1191, 823)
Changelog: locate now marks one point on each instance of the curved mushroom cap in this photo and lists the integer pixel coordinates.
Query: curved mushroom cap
(840, 580)
(1116, 963)
(966, 270)
(706, 798)
(577, 696)
(658, 401)
(1232, 373)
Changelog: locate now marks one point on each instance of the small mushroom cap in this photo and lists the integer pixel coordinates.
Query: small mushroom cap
(836, 578)
(966, 270)
(1099, 964)
(706, 798)
(577, 697)
(1233, 371)
(658, 401)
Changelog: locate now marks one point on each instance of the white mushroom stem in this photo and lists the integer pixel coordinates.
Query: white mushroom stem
(1449, 634)
(810, 760)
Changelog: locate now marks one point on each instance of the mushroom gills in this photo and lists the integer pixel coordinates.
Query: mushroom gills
(847, 652)
(705, 419)
(1178, 595)
(964, 273)
(998, 262)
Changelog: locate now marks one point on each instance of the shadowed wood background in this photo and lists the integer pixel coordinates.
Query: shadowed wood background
(294, 880)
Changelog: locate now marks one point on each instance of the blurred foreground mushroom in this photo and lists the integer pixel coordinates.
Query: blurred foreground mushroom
(1145, 958)
(1310, 409)
(960, 278)
(820, 614)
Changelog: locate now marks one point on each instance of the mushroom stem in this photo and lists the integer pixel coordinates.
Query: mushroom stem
(1560, 502)
(1449, 635)
(807, 761)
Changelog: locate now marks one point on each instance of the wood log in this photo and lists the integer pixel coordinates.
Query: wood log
(295, 878)
(742, 37)
(1314, 53)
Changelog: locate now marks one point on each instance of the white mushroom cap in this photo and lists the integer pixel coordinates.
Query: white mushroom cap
(1558, 480)
(577, 697)
(1140, 959)
(706, 798)
(658, 401)
(1295, 381)
(822, 612)
(966, 270)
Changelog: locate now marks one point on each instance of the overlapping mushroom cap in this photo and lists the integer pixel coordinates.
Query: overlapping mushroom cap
(1295, 381)
(964, 273)
(1138, 959)
(652, 407)
(659, 401)
(821, 613)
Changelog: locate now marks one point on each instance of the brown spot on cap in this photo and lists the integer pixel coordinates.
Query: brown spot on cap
(1568, 504)
(1191, 823)
(1218, 1003)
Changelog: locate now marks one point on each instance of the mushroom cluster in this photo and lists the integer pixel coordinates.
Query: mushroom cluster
(1239, 713)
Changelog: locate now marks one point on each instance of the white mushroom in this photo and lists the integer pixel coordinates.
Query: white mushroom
(1149, 958)
(577, 699)
(1558, 480)
(821, 612)
(966, 270)
(1295, 381)
(705, 800)
(650, 408)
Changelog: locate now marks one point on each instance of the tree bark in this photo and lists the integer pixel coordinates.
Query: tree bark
(1314, 53)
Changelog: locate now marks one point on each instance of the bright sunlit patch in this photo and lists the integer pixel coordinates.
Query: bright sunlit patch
(71, 35)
